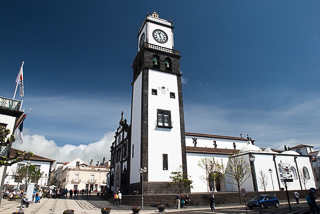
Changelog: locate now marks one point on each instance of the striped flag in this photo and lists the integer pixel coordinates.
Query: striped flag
(19, 81)
(19, 128)
(19, 133)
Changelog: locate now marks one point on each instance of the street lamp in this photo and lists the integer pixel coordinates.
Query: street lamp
(270, 170)
(141, 171)
(26, 183)
(253, 171)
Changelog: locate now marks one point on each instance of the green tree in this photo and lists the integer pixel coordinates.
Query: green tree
(6, 142)
(237, 171)
(29, 174)
(180, 180)
(214, 170)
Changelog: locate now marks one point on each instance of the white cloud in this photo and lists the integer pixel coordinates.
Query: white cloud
(184, 80)
(289, 124)
(41, 146)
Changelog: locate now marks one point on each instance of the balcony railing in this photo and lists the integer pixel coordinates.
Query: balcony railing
(75, 181)
(92, 181)
(10, 103)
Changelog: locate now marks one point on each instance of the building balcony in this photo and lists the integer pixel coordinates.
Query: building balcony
(75, 181)
(10, 104)
(92, 181)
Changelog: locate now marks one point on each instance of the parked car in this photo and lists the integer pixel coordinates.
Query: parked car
(264, 200)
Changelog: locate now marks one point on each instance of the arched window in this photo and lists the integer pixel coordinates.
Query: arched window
(156, 61)
(306, 173)
(294, 172)
(168, 64)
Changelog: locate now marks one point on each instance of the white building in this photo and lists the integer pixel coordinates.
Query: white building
(41, 163)
(77, 174)
(10, 113)
(155, 144)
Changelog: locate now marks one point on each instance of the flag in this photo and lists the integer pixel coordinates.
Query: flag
(19, 81)
(19, 134)
(20, 120)
(19, 128)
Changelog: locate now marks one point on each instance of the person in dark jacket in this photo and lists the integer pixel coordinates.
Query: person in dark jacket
(211, 203)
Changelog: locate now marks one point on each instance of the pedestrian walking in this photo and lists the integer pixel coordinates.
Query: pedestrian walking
(211, 200)
(312, 201)
(119, 198)
(70, 193)
(178, 201)
(115, 199)
(296, 196)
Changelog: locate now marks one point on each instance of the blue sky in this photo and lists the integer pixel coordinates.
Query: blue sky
(249, 67)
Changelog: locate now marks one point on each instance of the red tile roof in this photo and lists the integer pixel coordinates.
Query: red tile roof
(300, 146)
(13, 153)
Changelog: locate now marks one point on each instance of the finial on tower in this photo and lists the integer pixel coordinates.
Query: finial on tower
(155, 14)
(121, 120)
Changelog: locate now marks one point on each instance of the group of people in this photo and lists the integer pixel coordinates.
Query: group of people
(181, 200)
(117, 198)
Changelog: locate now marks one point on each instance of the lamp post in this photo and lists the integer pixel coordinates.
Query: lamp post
(141, 171)
(253, 171)
(26, 183)
(270, 170)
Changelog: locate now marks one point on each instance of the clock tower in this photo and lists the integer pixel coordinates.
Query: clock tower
(157, 115)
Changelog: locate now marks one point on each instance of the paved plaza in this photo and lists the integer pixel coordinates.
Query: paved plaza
(94, 203)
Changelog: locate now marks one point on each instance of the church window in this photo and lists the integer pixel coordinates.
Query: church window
(156, 61)
(3, 125)
(154, 91)
(77, 164)
(133, 151)
(164, 119)
(168, 64)
(305, 173)
(165, 161)
(294, 172)
(172, 95)
(124, 149)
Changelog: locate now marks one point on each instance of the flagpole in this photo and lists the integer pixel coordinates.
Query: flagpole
(15, 91)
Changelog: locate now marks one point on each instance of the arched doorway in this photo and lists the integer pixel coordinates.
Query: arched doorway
(217, 182)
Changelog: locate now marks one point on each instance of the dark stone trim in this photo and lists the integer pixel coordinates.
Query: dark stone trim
(182, 126)
(144, 122)
(295, 161)
(276, 169)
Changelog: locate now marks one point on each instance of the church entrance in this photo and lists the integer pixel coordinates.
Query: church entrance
(216, 183)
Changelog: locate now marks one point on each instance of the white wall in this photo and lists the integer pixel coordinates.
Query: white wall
(163, 140)
(136, 130)
(198, 174)
(221, 143)
(44, 168)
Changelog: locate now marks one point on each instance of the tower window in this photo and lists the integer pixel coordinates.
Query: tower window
(305, 173)
(156, 61)
(132, 151)
(154, 91)
(164, 119)
(168, 64)
(172, 95)
(165, 161)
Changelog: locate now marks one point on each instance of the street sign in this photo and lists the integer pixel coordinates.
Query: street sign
(243, 192)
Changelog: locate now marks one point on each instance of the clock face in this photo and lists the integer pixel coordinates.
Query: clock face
(160, 36)
(141, 40)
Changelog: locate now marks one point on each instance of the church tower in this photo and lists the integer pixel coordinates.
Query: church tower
(157, 115)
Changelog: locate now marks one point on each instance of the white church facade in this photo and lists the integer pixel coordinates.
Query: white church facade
(147, 151)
